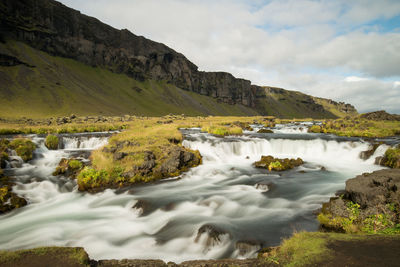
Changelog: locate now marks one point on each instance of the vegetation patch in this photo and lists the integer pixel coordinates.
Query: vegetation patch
(358, 127)
(275, 164)
(23, 147)
(49, 256)
(223, 130)
(51, 142)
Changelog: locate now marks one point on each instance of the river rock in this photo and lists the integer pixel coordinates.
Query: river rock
(213, 233)
(8, 199)
(276, 164)
(264, 186)
(178, 159)
(368, 153)
(265, 131)
(247, 246)
(15, 161)
(143, 207)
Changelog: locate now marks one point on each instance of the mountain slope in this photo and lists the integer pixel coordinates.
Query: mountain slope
(54, 60)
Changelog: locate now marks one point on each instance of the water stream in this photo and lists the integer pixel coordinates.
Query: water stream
(226, 192)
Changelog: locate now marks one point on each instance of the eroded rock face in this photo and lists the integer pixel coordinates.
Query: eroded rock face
(374, 189)
(58, 30)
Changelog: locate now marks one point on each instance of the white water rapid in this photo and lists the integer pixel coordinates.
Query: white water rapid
(226, 192)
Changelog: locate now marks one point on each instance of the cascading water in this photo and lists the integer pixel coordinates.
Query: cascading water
(226, 192)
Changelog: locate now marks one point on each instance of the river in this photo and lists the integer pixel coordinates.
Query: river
(226, 192)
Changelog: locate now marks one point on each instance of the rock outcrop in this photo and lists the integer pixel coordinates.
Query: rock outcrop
(61, 31)
(370, 203)
(380, 115)
(275, 164)
(51, 27)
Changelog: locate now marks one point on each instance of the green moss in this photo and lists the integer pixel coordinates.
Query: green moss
(302, 249)
(51, 142)
(75, 164)
(223, 130)
(392, 156)
(23, 147)
(69, 256)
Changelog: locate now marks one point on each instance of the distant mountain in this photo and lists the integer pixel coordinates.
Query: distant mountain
(55, 60)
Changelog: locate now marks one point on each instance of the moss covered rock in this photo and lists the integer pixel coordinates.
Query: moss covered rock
(68, 167)
(9, 200)
(391, 158)
(370, 204)
(276, 164)
(51, 142)
(23, 147)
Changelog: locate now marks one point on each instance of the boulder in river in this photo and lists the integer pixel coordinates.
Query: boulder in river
(8, 199)
(276, 164)
(368, 153)
(245, 247)
(263, 130)
(214, 234)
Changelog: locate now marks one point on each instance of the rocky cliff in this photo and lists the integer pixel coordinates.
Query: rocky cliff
(56, 29)
(49, 26)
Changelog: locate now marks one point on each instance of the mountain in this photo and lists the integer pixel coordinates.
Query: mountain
(55, 60)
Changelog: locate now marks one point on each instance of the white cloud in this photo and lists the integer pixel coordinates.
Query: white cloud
(319, 47)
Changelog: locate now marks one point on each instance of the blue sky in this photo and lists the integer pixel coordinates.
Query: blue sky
(345, 50)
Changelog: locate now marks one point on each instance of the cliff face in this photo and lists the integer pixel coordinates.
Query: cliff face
(57, 30)
(61, 31)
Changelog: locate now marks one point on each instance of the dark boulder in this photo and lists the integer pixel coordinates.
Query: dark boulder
(263, 130)
(214, 234)
(276, 164)
(179, 159)
(245, 247)
(368, 153)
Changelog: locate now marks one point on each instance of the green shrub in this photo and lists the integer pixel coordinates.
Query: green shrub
(24, 148)
(392, 156)
(75, 164)
(51, 142)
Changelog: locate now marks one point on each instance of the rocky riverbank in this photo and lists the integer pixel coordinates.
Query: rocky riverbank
(369, 204)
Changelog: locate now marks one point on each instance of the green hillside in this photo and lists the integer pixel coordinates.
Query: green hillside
(53, 86)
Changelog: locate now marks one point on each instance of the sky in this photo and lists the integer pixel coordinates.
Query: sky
(343, 50)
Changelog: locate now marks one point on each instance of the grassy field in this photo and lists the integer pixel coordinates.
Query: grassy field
(359, 127)
(314, 248)
(58, 86)
(55, 86)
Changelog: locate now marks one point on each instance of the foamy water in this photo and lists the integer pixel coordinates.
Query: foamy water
(221, 192)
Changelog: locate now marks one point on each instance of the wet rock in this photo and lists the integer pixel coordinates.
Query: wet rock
(213, 233)
(69, 167)
(15, 161)
(264, 186)
(179, 159)
(265, 131)
(143, 207)
(391, 158)
(9, 200)
(368, 153)
(245, 247)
